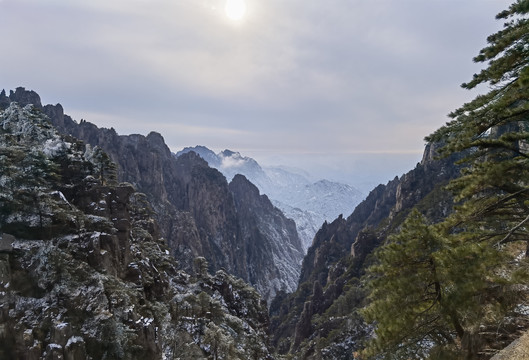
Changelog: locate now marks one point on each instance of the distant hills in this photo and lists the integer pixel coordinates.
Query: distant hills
(308, 203)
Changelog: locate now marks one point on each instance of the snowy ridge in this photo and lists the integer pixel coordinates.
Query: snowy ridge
(308, 203)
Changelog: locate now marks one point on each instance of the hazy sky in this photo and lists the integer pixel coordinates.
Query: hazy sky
(348, 88)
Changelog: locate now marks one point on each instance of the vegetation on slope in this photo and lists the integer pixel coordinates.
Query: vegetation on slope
(438, 290)
(84, 273)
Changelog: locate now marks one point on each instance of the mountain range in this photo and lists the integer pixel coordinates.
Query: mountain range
(85, 272)
(112, 247)
(197, 210)
(308, 203)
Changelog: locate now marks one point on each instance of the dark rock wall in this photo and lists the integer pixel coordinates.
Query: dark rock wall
(106, 288)
(269, 240)
(194, 206)
(340, 248)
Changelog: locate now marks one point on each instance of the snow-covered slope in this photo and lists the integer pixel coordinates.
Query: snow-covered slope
(308, 203)
(84, 271)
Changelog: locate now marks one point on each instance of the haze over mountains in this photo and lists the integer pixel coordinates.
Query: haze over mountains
(308, 203)
(199, 213)
(112, 247)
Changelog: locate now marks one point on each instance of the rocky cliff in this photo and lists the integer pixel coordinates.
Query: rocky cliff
(193, 203)
(336, 260)
(84, 273)
(264, 230)
(308, 203)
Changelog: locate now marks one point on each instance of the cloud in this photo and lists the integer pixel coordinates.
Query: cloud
(296, 77)
(229, 162)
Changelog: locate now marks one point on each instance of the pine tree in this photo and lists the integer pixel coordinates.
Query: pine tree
(105, 168)
(435, 288)
(493, 130)
(407, 300)
(27, 180)
(430, 293)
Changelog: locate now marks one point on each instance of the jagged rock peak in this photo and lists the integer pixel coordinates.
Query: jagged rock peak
(205, 153)
(194, 206)
(157, 141)
(192, 159)
(227, 152)
(85, 273)
(156, 137)
(241, 184)
(337, 257)
(25, 97)
(291, 190)
(271, 240)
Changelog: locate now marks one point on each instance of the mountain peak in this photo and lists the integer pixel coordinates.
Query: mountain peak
(229, 153)
(25, 97)
(308, 203)
(205, 153)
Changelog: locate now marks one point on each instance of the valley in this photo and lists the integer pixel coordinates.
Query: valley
(114, 247)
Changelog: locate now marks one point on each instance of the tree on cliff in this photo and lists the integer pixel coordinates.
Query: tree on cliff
(435, 289)
(104, 167)
(406, 299)
(26, 182)
(493, 129)
(419, 300)
(493, 192)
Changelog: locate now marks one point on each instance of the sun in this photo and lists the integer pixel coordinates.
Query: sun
(235, 9)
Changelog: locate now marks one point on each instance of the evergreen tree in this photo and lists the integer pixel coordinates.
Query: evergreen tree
(407, 300)
(430, 293)
(104, 167)
(435, 288)
(493, 130)
(27, 180)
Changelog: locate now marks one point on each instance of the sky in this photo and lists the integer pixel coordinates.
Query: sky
(346, 89)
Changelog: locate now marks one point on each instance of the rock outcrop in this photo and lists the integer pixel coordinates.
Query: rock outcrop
(192, 203)
(84, 273)
(337, 256)
(264, 229)
(308, 203)
(517, 350)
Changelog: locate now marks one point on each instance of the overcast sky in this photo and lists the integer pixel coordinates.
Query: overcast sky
(344, 88)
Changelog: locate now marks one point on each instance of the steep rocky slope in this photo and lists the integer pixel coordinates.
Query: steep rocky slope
(84, 273)
(259, 220)
(193, 204)
(320, 320)
(308, 203)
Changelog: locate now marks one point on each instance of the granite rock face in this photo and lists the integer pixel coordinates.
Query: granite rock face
(308, 203)
(264, 229)
(384, 209)
(84, 272)
(193, 204)
(337, 256)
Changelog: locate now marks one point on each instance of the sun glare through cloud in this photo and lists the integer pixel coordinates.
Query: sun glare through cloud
(288, 74)
(235, 9)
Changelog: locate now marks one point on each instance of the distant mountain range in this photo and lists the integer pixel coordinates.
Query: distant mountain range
(111, 246)
(308, 203)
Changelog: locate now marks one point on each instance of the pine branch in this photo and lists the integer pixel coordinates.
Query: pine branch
(511, 232)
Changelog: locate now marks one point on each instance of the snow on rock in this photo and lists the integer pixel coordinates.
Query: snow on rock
(308, 203)
(95, 291)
